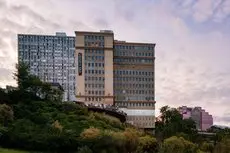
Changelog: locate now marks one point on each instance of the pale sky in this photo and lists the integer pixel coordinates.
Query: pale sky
(192, 41)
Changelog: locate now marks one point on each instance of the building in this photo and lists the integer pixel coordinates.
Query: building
(116, 73)
(202, 118)
(94, 80)
(51, 58)
(134, 82)
(185, 111)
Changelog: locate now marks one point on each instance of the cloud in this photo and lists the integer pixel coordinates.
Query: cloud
(203, 10)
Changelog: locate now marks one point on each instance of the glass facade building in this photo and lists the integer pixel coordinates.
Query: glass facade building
(51, 58)
(134, 85)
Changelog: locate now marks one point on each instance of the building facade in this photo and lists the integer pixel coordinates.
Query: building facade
(51, 58)
(134, 86)
(202, 118)
(94, 54)
(116, 73)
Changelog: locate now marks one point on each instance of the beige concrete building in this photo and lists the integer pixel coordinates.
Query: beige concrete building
(117, 72)
(94, 80)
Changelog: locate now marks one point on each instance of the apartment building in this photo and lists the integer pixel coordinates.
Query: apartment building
(51, 58)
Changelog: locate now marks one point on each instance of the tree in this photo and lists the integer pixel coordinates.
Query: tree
(171, 123)
(32, 88)
(6, 114)
(22, 76)
(3, 97)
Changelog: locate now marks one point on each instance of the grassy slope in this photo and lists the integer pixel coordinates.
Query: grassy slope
(11, 151)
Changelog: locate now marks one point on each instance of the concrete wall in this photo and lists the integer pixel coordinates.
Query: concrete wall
(109, 76)
(80, 79)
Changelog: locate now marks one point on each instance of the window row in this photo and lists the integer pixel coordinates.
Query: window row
(94, 99)
(127, 47)
(142, 118)
(46, 46)
(141, 92)
(94, 37)
(94, 78)
(118, 79)
(134, 104)
(92, 51)
(90, 58)
(94, 44)
(95, 64)
(132, 72)
(91, 92)
(125, 53)
(133, 61)
(94, 72)
(133, 97)
(129, 85)
(94, 86)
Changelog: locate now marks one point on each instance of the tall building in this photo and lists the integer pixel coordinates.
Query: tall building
(94, 78)
(134, 82)
(202, 118)
(51, 58)
(117, 73)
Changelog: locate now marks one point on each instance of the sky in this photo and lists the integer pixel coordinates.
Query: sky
(192, 41)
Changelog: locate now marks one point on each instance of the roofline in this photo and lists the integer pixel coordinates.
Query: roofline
(132, 43)
(44, 35)
(94, 32)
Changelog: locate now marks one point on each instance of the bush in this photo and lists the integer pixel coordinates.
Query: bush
(223, 146)
(178, 145)
(147, 144)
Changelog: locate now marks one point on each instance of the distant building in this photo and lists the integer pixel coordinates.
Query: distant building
(202, 118)
(51, 58)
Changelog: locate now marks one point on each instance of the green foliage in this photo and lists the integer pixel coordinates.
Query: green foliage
(30, 87)
(172, 123)
(223, 146)
(84, 149)
(3, 96)
(207, 147)
(2, 150)
(178, 145)
(147, 144)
